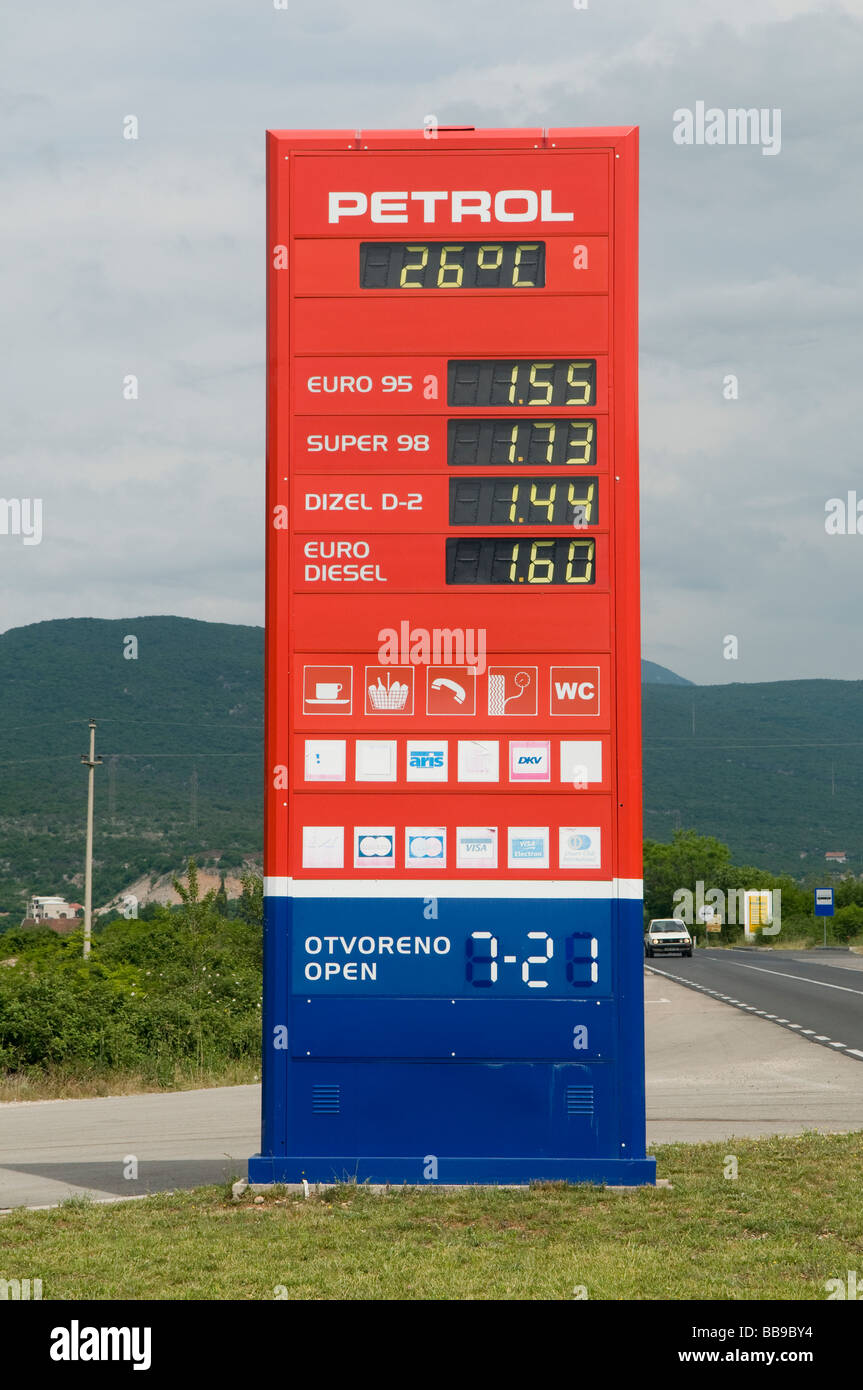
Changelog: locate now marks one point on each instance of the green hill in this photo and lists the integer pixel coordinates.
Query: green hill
(180, 731)
(775, 771)
(653, 674)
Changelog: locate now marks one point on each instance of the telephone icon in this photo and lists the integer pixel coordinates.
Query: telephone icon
(458, 691)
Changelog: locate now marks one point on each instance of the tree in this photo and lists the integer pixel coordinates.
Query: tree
(252, 900)
(689, 858)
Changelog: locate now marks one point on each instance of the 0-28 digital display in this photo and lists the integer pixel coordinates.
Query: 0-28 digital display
(452, 265)
(532, 561)
(513, 501)
(502, 443)
(556, 383)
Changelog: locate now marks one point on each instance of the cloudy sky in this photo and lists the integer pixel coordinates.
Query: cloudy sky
(147, 257)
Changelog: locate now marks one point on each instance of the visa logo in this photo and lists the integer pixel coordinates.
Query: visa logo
(476, 846)
(423, 759)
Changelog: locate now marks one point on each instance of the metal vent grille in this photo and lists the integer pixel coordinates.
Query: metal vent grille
(326, 1100)
(579, 1100)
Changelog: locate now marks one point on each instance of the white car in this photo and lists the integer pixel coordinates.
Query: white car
(667, 935)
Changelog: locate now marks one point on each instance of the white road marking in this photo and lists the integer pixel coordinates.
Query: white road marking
(785, 975)
(750, 1008)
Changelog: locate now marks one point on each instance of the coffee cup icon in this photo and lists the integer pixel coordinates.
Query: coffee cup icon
(327, 690)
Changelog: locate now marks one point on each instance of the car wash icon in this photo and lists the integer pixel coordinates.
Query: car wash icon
(512, 689)
(389, 690)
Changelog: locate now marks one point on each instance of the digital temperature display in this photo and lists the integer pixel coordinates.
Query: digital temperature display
(512, 501)
(499, 443)
(485, 560)
(452, 265)
(559, 382)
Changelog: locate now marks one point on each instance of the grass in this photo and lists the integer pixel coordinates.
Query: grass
(59, 1084)
(792, 1220)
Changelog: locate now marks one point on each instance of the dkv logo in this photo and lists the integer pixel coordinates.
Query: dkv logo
(529, 761)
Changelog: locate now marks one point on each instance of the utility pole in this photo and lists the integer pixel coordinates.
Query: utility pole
(91, 764)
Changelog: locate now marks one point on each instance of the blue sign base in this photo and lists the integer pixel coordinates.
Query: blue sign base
(456, 1171)
(401, 1048)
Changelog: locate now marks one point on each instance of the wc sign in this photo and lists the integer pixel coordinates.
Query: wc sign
(575, 690)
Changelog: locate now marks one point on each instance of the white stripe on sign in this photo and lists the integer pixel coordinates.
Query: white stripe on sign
(617, 888)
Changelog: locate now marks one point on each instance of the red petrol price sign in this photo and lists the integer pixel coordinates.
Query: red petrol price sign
(453, 917)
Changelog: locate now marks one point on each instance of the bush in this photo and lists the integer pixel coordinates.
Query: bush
(183, 986)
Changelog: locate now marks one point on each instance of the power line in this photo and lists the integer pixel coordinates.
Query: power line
(69, 757)
(121, 719)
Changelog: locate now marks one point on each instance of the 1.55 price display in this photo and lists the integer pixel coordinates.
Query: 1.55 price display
(502, 443)
(561, 382)
(485, 560)
(440, 265)
(485, 965)
(513, 501)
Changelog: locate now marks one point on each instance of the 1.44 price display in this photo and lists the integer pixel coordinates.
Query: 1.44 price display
(524, 501)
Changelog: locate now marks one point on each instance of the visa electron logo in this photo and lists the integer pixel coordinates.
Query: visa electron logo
(509, 204)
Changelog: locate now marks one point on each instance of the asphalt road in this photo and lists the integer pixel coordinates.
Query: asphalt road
(818, 997)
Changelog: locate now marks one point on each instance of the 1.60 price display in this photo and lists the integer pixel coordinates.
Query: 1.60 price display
(533, 561)
(513, 501)
(505, 443)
